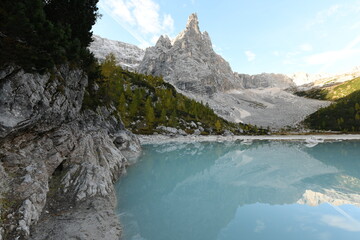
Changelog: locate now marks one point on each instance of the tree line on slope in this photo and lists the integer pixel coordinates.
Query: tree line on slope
(146, 103)
(342, 115)
(332, 93)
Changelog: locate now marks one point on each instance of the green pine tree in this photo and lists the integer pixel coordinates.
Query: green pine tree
(357, 117)
(149, 113)
(163, 116)
(173, 119)
(122, 105)
(357, 106)
(134, 106)
(218, 125)
(108, 67)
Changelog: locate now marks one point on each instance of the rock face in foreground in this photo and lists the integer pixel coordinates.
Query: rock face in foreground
(189, 63)
(127, 55)
(58, 163)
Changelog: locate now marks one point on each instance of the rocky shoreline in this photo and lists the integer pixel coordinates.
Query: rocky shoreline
(314, 138)
(58, 162)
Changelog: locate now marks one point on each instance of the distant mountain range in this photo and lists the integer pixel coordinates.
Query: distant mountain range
(306, 80)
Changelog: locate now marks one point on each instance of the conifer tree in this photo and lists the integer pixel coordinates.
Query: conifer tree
(218, 125)
(172, 120)
(128, 91)
(79, 15)
(357, 117)
(149, 111)
(36, 34)
(122, 105)
(134, 105)
(163, 116)
(108, 67)
(180, 105)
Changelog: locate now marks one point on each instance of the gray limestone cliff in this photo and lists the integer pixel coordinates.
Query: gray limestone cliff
(265, 80)
(189, 63)
(127, 55)
(58, 162)
(155, 62)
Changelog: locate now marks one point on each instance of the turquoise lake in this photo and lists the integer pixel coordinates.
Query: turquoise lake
(229, 191)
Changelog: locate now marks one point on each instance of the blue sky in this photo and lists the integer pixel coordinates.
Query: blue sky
(254, 36)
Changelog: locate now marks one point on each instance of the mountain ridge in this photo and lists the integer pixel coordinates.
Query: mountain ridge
(193, 67)
(190, 63)
(129, 56)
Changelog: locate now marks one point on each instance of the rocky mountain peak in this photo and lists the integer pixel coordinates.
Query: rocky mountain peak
(193, 23)
(190, 63)
(191, 39)
(164, 41)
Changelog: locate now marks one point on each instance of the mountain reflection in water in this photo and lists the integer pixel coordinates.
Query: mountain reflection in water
(266, 190)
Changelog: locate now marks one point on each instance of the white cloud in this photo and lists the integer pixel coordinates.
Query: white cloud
(292, 57)
(306, 47)
(168, 23)
(288, 61)
(353, 43)
(293, 53)
(330, 57)
(121, 10)
(345, 223)
(328, 12)
(154, 39)
(324, 61)
(336, 10)
(141, 18)
(354, 26)
(217, 49)
(323, 15)
(250, 56)
(260, 226)
(276, 53)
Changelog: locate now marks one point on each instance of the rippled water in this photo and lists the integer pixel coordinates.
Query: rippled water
(225, 191)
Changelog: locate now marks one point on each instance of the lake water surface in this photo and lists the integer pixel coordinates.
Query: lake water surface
(228, 191)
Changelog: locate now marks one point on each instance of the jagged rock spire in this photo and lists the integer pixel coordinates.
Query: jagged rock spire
(193, 23)
(163, 41)
(190, 63)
